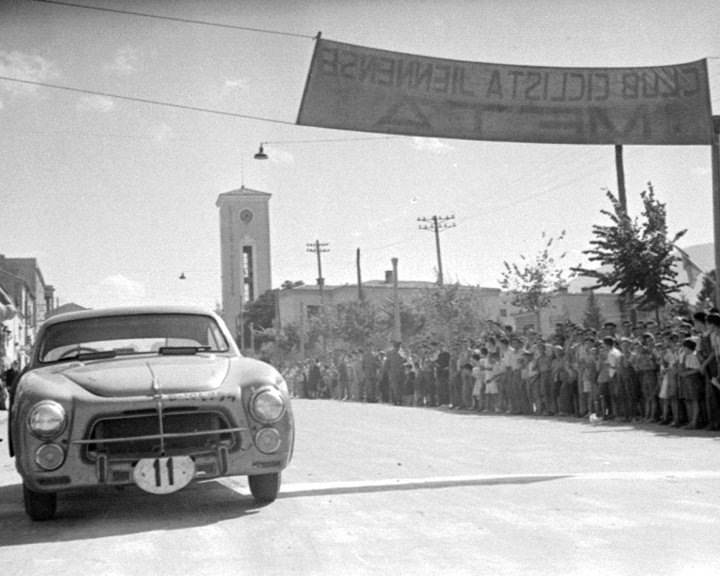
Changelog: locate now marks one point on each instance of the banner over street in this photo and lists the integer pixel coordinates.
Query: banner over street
(356, 88)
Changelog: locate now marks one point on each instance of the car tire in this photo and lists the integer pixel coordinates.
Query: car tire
(39, 505)
(265, 487)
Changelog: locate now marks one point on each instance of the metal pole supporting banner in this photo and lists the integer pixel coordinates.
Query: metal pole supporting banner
(715, 154)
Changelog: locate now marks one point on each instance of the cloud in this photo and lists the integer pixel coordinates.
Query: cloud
(96, 103)
(279, 156)
(701, 171)
(115, 290)
(240, 84)
(22, 66)
(126, 61)
(433, 145)
(161, 132)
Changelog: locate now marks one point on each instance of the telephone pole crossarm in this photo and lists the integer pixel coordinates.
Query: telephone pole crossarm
(436, 224)
(318, 248)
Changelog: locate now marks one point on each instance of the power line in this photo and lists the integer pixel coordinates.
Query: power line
(175, 19)
(147, 101)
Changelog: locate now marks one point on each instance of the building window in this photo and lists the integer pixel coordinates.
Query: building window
(247, 274)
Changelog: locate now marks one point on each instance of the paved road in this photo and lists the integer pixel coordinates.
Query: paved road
(377, 489)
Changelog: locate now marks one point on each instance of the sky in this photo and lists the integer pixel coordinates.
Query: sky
(116, 198)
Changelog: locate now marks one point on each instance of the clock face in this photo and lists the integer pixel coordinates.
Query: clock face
(246, 216)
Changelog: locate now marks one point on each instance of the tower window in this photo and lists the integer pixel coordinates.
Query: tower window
(248, 270)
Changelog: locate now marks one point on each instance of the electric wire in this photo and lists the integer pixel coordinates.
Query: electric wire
(149, 101)
(176, 19)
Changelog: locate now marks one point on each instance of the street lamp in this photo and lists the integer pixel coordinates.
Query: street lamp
(261, 153)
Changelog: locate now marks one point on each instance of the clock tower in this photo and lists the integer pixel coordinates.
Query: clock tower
(244, 250)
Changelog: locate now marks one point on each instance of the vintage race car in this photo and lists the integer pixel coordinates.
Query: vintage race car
(153, 396)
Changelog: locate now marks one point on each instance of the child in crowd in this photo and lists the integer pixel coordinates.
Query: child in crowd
(495, 371)
(467, 386)
(668, 379)
(478, 373)
(604, 379)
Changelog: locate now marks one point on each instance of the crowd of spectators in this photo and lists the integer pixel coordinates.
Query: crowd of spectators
(662, 374)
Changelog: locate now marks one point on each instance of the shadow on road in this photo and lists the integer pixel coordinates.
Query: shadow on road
(602, 426)
(395, 486)
(102, 513)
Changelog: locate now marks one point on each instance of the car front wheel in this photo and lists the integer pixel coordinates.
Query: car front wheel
(39, 505)
(265, 487)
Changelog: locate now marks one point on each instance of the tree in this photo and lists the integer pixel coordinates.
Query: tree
(412, 319)
(593, 316)
(707, 296)
(533, 283)
(636, 258)
(450, 312)
(261, 313)
(357, 322)
(289, 284)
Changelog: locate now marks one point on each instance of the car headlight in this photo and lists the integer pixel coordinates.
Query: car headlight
(268, 440)
(49, 456)
(267, 405)
(47, 419)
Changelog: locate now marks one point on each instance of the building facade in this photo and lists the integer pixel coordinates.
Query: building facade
(244, 250)
(299, 303)
(25, 302)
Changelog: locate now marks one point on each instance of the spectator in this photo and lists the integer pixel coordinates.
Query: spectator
(691, 381)
(408, 387)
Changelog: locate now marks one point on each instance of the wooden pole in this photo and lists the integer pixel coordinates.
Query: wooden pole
(302, 331)
(396, 300)
(620, 168)
(360, 290)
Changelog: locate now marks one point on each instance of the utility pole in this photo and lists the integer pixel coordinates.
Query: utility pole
(396, 302)
(620, 169)
(436, 224)
(318, 248)
(359, 277)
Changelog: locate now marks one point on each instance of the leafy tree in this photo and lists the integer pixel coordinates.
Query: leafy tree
(681, 307)
(593, 316)
(449, 312)
(636, 258)
(707, 296)
(261, 311)
(289, 284)
(357, 322)
(261, 314)
(533, 283)
(412, 320)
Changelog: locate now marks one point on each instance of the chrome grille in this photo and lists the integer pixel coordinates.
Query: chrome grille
(142, 434)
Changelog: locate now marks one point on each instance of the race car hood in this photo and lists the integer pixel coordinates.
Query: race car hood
(148, 376)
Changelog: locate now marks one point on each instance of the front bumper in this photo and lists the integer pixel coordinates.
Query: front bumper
(108, 446)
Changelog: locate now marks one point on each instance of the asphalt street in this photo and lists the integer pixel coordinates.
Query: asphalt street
(379, 489)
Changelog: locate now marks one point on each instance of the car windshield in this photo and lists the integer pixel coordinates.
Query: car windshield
(110, 336)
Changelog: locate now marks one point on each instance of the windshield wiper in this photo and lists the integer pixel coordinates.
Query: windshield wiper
(182, 350)
(99, 355)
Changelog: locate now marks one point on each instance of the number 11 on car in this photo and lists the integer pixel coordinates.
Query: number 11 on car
(164, 475)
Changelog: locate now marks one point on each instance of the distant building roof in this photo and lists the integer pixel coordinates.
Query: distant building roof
(69, 307)
(242, 192)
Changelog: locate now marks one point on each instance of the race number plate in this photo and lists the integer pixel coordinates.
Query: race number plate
(164, 475)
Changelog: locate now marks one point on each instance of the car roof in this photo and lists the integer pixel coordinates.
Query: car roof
(129, 311)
